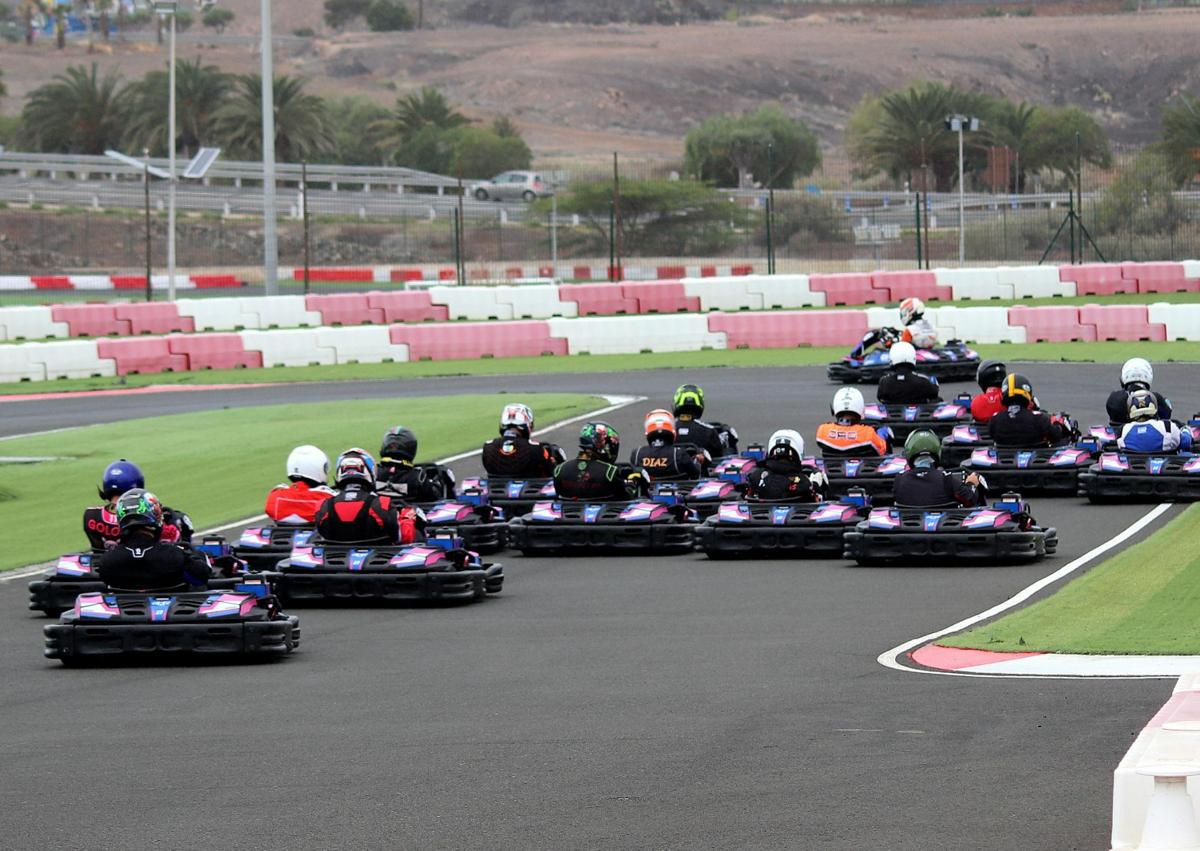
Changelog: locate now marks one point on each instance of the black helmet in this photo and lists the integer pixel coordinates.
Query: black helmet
(600, 439)
(990, 374)
(1016, 390)
(688, 401)
(139, 508)
(399, 444)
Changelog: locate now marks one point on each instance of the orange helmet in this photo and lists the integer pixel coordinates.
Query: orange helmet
(660, 425)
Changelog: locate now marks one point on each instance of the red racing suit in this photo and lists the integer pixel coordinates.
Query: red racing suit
(296, 502)
(987, 404)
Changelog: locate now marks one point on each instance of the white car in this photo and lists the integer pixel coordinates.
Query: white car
(512, 186)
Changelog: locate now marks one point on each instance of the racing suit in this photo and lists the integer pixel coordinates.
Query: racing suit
(424, 483)
(357, 515)
(779, 480)
(100, 526)
(140, 563)
(1117, 404)
(512, 456)
(591, 478)
(905, 386)
(1155, 436)
(1019, 426)
(986, 405)
(296, 502)
(666, 462)
(715, 439)
(852, 440)
(921, 333)
(933, 487)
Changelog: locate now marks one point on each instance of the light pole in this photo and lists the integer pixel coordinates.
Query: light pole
(959, 123)
(270, 247)
(168, 8)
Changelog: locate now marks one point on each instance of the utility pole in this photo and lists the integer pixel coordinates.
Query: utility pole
(270, 246)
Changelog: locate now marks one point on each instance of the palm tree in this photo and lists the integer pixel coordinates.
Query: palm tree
(302, 128)
(412, 114)
(200, 90)
(1011, 125)
(1181, 137)
(75, 113)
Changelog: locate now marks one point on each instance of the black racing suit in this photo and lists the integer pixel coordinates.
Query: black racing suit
(780, 480)
(100, 526)
(140, 563)
(933, 487)
(667, 462)
(414, 483)
(512, 456)
(358, 515)
(905, 386)
(1117, 404)
(1019, 426)
(702, 435)
(591, 478)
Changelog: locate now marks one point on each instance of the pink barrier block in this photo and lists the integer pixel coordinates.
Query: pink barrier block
(336, 275)
(1097, 279)
(90, 320)
(128, 282)
(144, 356)
(1160, 277)
(414, 306)
(661, 297)
(784, 329)
(1051, 324)
(853, 288)
(1183, 706)
(214, 351)
(598, 299)
(478, 339)
(154, 318)
(902, 285)
(1121, 322)
(344, 309)
(708, 271)
(741, 271)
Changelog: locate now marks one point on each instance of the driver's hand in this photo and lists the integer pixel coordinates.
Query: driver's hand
(972, 479)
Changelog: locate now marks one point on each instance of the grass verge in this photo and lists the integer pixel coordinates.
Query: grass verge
(1143, 600)
(801, 356)
(218, 465)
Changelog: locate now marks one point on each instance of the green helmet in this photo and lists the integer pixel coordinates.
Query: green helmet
(922, 442)
(689, 400)
(600, 439)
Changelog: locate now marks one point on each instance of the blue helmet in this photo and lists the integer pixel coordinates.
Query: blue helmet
(120, 476)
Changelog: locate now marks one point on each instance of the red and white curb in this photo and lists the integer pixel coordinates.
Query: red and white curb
(127, 391)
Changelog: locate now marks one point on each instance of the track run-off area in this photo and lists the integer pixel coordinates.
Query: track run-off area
(648, 702)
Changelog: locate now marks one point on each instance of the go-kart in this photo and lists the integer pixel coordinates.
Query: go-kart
(938, 417)
(780, 529)
(1003, 533)
(726, 480)
(1120, 476)
(1041, 469)
(514, 496)
(876, 477)
(955, 361)
(658, 524)
(244, 620)
(440, 570)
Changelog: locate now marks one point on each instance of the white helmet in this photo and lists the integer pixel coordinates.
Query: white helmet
(1137, 371)
(308, 462)
(848, 400)
(517, 416)
(910, 309)
(903, 352)
(786, 442)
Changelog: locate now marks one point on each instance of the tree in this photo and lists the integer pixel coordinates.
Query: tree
(1052, 140)
(75, 113)
(389, 16)
(348, 116)
(338, 13)
(1011, 125)
(200, 90)
(217, 18)
(477, 152)
(1141, 200)
(302, 129)
(505, 128)
(1181, 137)
(413, 113)
(3, 88)
(726, 148)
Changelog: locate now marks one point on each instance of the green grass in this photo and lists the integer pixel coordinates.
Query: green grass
(1143, 600)
(801, 356)
(218, 465)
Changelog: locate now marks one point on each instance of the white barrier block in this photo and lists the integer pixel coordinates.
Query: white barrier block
(888, 317)
(92, 282)
(471, 302)
(975, 324)
(535, 302)
(282, 311)
(1191, 268)
(217, 314)
(1034, 281)
(973, 283)
(611, 335)
(1182, 321)
(780, 292)
(30, 323)
(381, 274)
(363, 343)
(74, 359)
(723, 294)
(295, 347)
(15, 365)
(16, 282)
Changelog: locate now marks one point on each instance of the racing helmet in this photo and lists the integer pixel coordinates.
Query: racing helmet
(688, 401)
(923, 448)
(1136, 371)
(355, 465)
(903, 352)
(911, 309)
(1016, 390)
(517, 416)
(849, 400)
(660, 425)
(1142, 405)
(786, 443)
(600, 439)
(308, 463)
(990, 374)
(399, 443)
(120, 476)
(138, 508)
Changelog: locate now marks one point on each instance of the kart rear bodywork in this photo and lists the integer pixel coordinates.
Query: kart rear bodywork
(938, 417)
(661, 525)
(876, 477)
(953, 362)
(1129, 477)
(779, 529)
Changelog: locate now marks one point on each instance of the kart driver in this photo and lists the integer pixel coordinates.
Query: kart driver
(917, 329)
(100, 522)
(987, 404)
(661, 458)
(297, 503)
(926, 484)
(902, 384)
(1147, 432)
(1136, 374)
(515, 454)
(784, 477)
(356, 514)
(848, 435)
(717, 439)
(141, 560)
(593, 475)
(1021, 424)
(397, 473)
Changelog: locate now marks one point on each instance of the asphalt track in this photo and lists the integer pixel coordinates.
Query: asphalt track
(598, 703)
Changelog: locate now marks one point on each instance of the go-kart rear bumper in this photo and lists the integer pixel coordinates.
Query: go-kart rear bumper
(1043, 480)
(808, 540)
(875, 545)
(583, 537)
(77, 641)
(1114, 487)
(477, 537)
(303, 585)
(54, 594)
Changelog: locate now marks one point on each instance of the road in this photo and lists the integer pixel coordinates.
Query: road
(598, 703)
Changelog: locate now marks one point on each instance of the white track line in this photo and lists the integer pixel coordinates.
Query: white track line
(890, 658)
(615, 403)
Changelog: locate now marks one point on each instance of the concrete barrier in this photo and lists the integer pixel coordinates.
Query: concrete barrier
(1034, 281)
(626, 335)
(293, 347)
(30, 323)
(366, 344)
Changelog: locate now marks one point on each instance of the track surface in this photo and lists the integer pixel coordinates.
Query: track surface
(598, 703)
